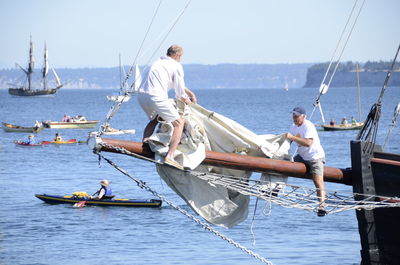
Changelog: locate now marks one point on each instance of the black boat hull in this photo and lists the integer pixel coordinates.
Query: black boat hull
(54, 199)
(31, 92)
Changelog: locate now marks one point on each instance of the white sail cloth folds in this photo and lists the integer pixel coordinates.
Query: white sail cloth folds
(205, 130)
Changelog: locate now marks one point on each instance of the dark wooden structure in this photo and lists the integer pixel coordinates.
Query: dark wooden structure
(374, 173)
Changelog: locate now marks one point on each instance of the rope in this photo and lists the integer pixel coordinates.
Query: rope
(369, 131)
(142, 43)
(115, 107)
(322, 89)
(393, 124)
(252, 223)
(287, 195)
(204, 225)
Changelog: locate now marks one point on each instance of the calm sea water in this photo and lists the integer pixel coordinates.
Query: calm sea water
(32, 232)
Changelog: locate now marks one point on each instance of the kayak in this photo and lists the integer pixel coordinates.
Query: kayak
(71, 141)
(71, 199)
(22, 143)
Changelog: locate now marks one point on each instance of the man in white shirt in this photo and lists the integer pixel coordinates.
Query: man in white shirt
(309, 151)
(165, 74)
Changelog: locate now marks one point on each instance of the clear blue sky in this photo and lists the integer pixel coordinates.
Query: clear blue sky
(91, 33)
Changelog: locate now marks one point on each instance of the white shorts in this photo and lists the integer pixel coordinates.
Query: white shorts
(162, 107)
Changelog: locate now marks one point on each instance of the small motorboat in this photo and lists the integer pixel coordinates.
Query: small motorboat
(70, 141)
(78, 122)
(73, 199)
(343, 127)
(23, 143)
(114, 132)
(8, 127)
(119, 98)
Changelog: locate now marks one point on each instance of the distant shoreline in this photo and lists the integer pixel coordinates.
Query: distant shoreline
(226, 76)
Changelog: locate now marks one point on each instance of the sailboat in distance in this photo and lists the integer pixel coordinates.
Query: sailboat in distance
(125, 91)
(27, 88)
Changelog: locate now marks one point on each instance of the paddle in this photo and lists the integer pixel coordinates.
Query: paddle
(80, 204)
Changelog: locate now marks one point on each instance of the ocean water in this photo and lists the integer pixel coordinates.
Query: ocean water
(33, 232)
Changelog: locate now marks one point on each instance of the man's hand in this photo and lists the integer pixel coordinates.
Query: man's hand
(186, 100)
(289, 136)
(192, 96)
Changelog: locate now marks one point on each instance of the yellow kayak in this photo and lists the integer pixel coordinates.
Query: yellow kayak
(71, 141)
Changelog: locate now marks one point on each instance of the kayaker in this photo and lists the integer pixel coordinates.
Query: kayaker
(58, 138)
(104, 193)
(31, 139)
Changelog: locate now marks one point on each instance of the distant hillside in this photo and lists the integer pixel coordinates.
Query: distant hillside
(197, 76)
(371, 74)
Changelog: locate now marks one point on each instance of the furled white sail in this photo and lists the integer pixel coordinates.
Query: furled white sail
(56, 77)
(206, 130)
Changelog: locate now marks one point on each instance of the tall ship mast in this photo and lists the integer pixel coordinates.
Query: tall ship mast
(27, 89)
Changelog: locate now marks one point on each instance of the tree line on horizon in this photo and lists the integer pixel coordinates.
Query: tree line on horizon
(199, 76)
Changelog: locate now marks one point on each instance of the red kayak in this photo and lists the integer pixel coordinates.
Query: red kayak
(22, 143)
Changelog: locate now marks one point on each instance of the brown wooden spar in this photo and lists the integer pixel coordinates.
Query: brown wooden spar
(241, 162)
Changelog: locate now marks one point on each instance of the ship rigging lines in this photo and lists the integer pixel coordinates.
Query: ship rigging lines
(283, 194)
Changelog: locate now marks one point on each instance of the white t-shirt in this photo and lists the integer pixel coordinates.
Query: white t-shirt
(307, 130)
(165, 74)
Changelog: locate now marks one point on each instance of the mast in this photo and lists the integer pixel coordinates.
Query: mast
(31, 64)
(45, 66)
(120, 75)
(358, 90)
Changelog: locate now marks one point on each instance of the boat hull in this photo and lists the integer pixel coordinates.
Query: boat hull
(31, 92)
(70, 125)
(119, 98)
(24, 144)
(343, 127)
(54, 199)
(71, 141)
(7, 127)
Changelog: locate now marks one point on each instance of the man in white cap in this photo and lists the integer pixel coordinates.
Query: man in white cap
(104, 192)
(309, 151)
(165, 74)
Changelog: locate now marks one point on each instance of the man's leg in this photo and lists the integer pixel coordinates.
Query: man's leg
(319, 184)
(176, 137)
(149, 129)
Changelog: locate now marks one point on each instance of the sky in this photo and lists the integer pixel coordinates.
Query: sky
(92, 33)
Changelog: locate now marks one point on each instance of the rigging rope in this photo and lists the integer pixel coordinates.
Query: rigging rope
(393, 124)
(323, 87)
(142, 43)
(116, 106)
(206, 226)
(286, 195)
(369, 131)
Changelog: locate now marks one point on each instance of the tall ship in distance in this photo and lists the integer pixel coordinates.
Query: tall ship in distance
(27, 88)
